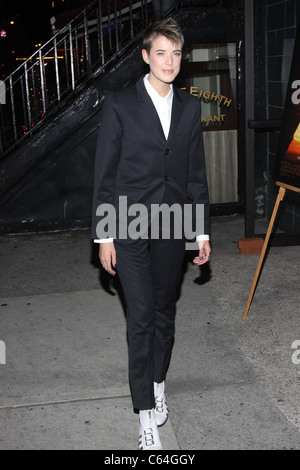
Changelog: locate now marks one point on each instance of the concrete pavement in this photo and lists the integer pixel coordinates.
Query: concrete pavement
(231, 384)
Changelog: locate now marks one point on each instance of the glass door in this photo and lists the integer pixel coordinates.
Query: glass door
(209, 72)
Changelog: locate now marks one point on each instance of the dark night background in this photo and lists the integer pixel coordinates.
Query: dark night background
(275, 26)
(31, 26)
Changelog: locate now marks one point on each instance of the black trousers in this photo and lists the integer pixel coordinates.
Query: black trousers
(149, 272)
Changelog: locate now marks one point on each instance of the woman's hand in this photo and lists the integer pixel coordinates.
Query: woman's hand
(108, 259)
(204, 253)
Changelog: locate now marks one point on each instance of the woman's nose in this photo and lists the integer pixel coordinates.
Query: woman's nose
(169, 59)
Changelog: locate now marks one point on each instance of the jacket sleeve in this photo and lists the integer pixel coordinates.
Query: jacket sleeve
(197, 182)
(107, 158)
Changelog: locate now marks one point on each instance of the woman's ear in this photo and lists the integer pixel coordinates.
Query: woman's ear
(145, 56)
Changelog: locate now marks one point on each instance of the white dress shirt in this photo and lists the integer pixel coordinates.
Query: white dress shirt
(163, 106)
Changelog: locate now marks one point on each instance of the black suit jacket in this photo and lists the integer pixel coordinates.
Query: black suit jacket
(134, 159)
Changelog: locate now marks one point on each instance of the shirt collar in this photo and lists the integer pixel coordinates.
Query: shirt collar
(156, 96)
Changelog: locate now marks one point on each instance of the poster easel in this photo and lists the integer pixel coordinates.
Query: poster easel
(282, 190)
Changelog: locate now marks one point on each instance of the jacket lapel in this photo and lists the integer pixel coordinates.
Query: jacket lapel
(150, 111)
(177, 111)
(147, 105)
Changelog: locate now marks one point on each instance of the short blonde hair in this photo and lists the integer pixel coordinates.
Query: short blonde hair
(166, 27)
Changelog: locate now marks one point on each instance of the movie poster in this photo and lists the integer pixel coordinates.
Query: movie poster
(287, 168)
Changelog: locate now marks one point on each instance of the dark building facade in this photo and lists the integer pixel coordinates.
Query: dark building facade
(46, 179)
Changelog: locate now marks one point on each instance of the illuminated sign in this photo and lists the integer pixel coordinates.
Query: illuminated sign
(208, 96)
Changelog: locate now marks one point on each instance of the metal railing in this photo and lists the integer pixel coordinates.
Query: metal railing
(82, 49)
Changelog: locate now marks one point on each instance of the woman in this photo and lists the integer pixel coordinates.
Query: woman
(150, 152)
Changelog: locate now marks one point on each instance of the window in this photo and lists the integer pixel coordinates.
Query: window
(209, 73)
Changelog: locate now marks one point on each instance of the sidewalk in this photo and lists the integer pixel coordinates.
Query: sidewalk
(231, 384)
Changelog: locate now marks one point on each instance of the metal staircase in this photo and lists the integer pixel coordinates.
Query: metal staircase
(86, 47)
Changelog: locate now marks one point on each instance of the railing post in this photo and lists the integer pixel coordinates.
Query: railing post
(42, 81)
(77, 54)
(56, 70)
(33, 95)
(66, 62)
(116, 26)
(131, 19)
(71, 58)
(109, 25)
(27, 96)
(87, 46)
(100, 32)
(2, 134)
(12, 101)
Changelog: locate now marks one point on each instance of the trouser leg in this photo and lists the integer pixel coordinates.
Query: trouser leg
(166, 269)
(149, 273)
(133, 267)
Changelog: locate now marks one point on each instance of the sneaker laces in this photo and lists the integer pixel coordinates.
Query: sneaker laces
(148, 438)
(159, 405)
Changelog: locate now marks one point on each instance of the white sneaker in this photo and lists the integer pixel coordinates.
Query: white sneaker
(161, 408)
(148, 435)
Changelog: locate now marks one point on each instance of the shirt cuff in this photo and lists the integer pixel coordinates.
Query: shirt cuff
(202, 238)
(110, 240)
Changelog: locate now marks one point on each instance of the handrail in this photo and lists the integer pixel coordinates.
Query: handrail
(80, 50)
